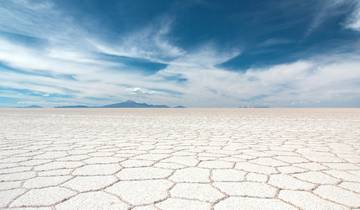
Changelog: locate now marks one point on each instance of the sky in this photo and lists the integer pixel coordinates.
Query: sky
(195, 53)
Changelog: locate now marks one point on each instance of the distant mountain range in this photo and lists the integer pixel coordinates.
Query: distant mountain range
(30, 107)
(125, 104)
(179, 107)
(133, 104)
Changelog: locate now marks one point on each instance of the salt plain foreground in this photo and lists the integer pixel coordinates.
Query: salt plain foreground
(188, 159)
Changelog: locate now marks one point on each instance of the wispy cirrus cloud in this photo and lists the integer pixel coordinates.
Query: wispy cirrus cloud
(93, 76)
(329, 9)
(313, 82)
(150, 42)
(47, 58)
(353, 21)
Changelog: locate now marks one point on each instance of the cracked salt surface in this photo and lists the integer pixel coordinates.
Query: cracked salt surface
(220, 159)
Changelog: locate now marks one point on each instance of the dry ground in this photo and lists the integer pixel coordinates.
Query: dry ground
(188, 159)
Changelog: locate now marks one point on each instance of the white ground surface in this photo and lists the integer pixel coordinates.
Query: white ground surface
(188, 159)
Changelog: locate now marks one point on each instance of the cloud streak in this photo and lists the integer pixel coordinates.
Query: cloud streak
(354, 19)
(66, 69)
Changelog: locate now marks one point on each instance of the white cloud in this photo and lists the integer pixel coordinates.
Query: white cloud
(320, 81)
(95, 78)
(326, 80)
(38, 19)
(354, 19)
(329, 8)
(150, 43)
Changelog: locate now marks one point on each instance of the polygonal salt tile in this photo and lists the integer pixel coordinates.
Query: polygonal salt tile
(342, 166)
(247, 189)
(203, 192)
(205, 158)
(338, 195)
(283, 151)
(31, 154)
(12, 152)
(191, 175)
(169, 165)
(216, 164)
(249, 167)
(15, 169)
(256, 177)
(99, 160)
(141, 192)
(317, 177)
(235, 203)
(56, 172)
(78, 151)
(351, 186)
(154, 157)
(87, 183)
(9, 195)
(184, 160)
(14, 160)
(73, 158)
(43, 197)
(136, 163)
(231, 159)
(269, 162)
(51, 155)
(258, 153)
(97, 169)
(322, 157)
(311, 166)
(10, 185)
(351, 158)
(343, 175)
(181, 204)
(162, 151)
(9, 165)
(127, 155)
(17, 176)
(288, 182)
(292, 159)
(291, 169)
(58, 165)
(212, 154)
(307, 200)
(227, 175)
(101, 154)
(143, 173)
(244, 157)
(93, 200)
(39, 182)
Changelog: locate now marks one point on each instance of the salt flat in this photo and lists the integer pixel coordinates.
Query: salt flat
(188, 159)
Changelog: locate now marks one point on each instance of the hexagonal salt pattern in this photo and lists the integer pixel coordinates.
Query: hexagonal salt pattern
(168, 159)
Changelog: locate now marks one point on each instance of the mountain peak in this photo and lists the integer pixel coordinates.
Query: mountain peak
(133, 104)
(124, 104)
(130, 101)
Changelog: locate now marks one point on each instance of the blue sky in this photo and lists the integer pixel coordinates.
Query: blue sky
(201, 53)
